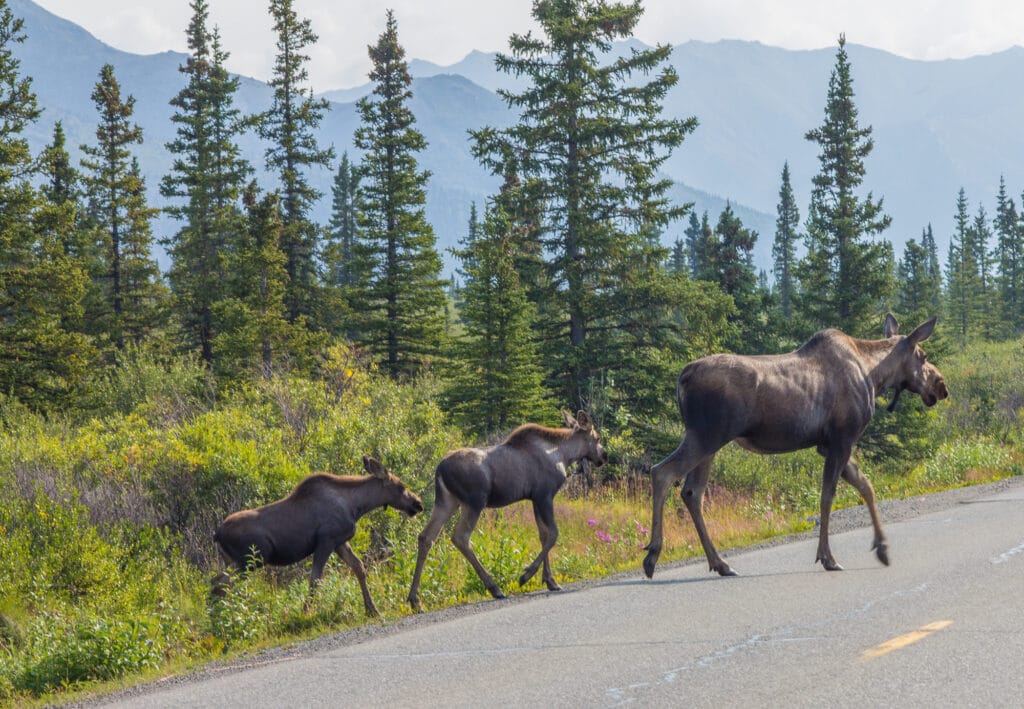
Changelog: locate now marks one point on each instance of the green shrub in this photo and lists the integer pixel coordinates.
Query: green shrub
(238, 616)
(161, 387)
(89, 649)
(955, 459)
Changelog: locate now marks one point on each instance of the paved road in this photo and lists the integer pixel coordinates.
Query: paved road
(942, 627)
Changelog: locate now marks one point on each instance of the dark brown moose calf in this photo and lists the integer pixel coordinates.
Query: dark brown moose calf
(822, 395)
(528, 465)
(318, 517)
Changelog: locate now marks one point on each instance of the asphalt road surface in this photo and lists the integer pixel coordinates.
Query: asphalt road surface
(942, 627)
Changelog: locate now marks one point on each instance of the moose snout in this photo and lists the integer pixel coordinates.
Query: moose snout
(937, 393)
(415, 507)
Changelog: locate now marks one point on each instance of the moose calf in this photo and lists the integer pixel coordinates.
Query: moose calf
(317, 518)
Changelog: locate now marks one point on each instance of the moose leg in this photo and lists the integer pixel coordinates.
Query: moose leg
(356, 564)
(835, 463)
(320, 556)
(663, 476)
(444, 507)
(851, 474)
(680, 462)
(693, 497)
(544, 513)
(221, 583)
(461, 536)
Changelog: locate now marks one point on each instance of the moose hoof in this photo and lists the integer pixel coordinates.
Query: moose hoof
(724, 569)
(831, 565)
(414, 603)
(882, 551)
(650, 561)
(372, 612)
(497, 593)
(552, 585)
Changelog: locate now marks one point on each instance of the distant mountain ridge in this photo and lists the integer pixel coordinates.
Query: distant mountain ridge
(937, 125)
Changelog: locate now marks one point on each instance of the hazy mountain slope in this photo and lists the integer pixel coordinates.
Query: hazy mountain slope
(938, 125)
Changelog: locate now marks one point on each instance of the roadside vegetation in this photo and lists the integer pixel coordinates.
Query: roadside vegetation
(106, 523)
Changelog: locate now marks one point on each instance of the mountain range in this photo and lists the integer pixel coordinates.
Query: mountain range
(938, 125)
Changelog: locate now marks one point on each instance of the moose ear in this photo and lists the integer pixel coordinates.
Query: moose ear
(583, 420)
(570, 421)
(923, 331)
(892, 327)
(374, 467)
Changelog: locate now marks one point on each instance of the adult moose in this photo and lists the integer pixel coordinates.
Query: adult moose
(530, 464)
(821, 395)
(317, 518)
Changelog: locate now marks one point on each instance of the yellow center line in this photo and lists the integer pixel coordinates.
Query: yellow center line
(907, 639)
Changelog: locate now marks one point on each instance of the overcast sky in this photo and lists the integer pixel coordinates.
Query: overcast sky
(443, 31)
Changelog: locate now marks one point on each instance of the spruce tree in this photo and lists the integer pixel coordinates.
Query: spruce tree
(62, 186)
(146, 296)
(592, 136)
(497, 380)
(988, 307)
(934, 269)
(341, 233)
(205, 182)
(400, 296)
(915, 286)
(62, 182)
(730, 261)
(704, 248)
(962, 276)
(730, 266)
(693, 234)
(132, 293)
(784, 247)
(523, 201)
(338, 253)
(473, 227)
(254, 334)
(679, 258)
(1010, 259)
(42, 363)
(289, 127)
(844, 279)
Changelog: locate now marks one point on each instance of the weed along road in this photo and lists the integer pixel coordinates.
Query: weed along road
(942, 626)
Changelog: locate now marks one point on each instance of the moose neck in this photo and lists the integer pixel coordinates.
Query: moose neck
(875, 355)
(368, 495)
(569, 450)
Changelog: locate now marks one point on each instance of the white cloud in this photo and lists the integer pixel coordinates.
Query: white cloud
(443, 31)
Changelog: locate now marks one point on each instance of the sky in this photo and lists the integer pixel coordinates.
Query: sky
(444, 31)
